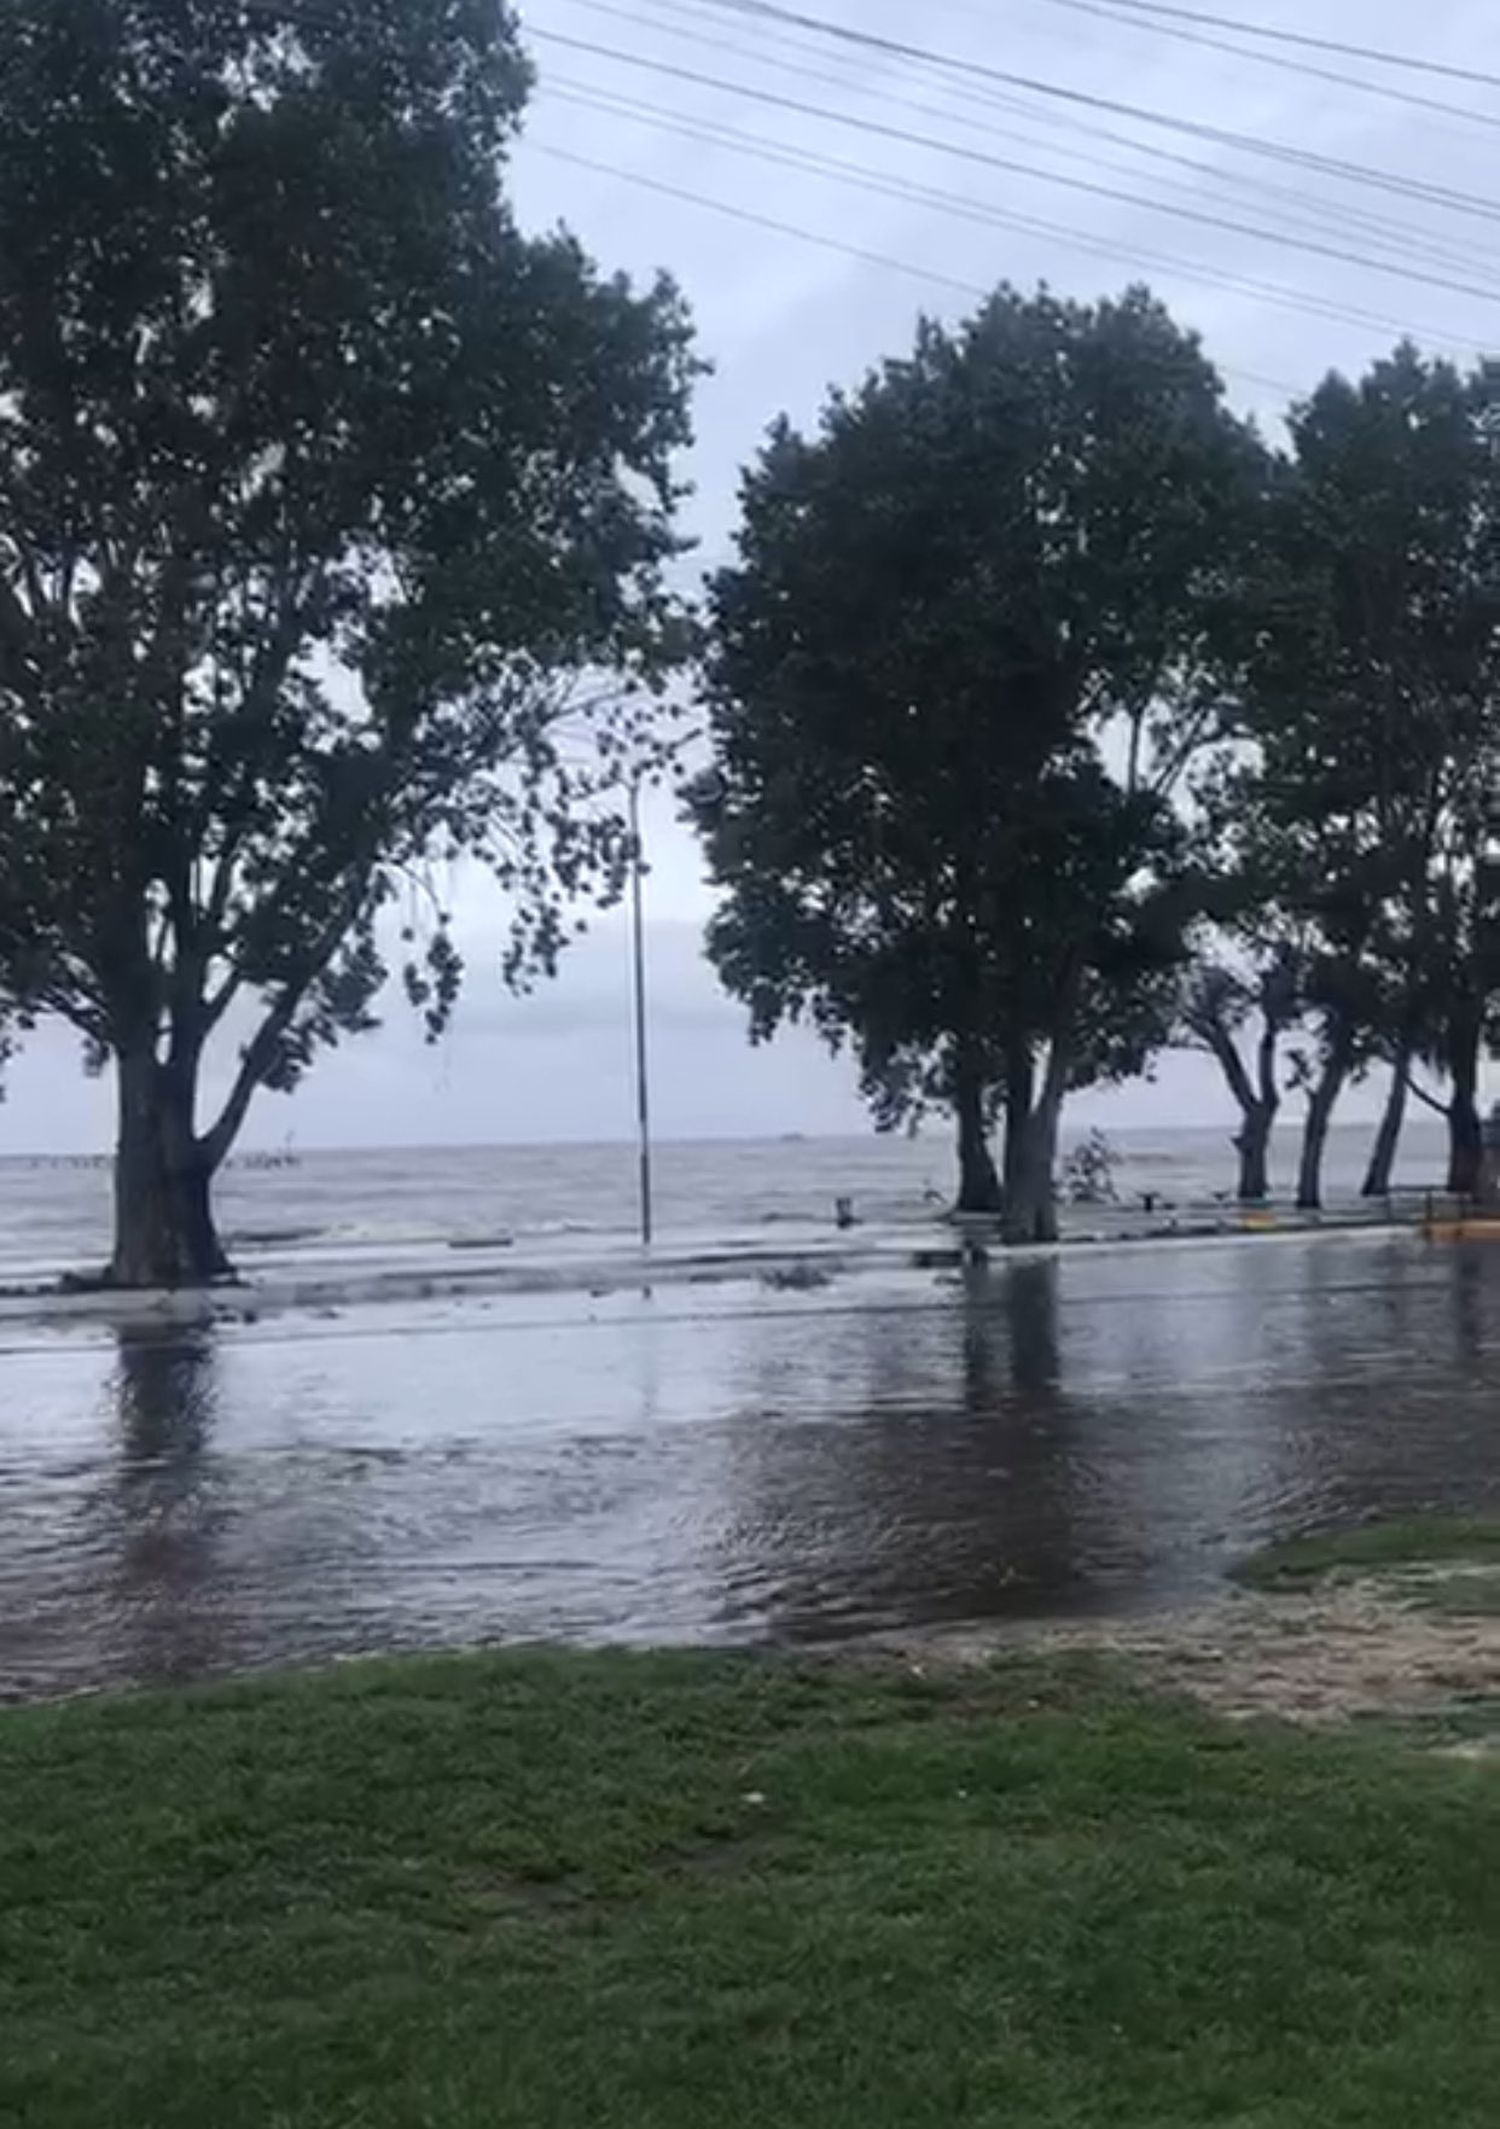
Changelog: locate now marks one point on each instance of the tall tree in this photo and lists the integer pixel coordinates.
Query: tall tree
(1387, 1141)
(965, 654)
(1462, 1016)
(1345, 1011)
(1374, 707)
(320, 487)
(1239, 1015)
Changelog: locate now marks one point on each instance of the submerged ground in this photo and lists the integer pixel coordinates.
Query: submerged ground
(1199, 1850)
(1096, 1434)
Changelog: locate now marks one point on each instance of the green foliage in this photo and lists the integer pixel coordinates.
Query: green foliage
(969, 646)
(1088, 1176)
(1372, 806)
(326, 497)
(528, 1890)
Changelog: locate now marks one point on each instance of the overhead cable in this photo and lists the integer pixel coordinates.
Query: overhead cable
(867, 257)
(988, 160)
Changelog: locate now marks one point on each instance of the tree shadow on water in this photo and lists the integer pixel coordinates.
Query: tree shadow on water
(928, 1473)
(1469, 1308)
(1030, 1317)
(165, 1394)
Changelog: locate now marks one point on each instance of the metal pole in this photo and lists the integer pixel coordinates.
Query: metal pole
(638, 956)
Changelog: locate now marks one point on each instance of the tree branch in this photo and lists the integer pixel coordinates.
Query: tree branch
(1161, 784)
(1415, 1086)
(1221, 1045)
(1265, 1057)
(260, 1052)
(256, 1060)
(15, 623)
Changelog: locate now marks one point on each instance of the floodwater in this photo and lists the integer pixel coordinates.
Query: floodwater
(1099, 1431)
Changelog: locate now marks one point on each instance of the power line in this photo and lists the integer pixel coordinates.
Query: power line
(761, 221)
(985, 213)
(1320, 213)
(1011, 165)
(758, 220)
(966, 68)
(1392, 236)
(1124, 12)
(1367, 52)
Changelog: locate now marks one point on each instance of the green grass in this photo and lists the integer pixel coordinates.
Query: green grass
(1458, 1592)
(1372, 1548)
(688, 1892)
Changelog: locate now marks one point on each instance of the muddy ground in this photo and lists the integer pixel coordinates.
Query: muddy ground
(1412, 1645)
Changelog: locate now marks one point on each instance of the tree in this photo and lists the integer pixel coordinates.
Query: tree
(1346, 1014)
(1462, 1017)
(322, 491)
(955, 676)
(1387, 1140)
(1372, 700)
(1221, 1002)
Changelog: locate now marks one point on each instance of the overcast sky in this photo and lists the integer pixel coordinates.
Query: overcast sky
(1340, 269)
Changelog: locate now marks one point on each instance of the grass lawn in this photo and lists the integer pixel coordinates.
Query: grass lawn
(726, 1893)
(1375, 1548)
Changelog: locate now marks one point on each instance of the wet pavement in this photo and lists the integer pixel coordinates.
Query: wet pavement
(1100, 1431)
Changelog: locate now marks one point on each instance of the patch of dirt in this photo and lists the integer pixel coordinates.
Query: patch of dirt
(735, 1856)
(1375, 1645)
(493, 1894)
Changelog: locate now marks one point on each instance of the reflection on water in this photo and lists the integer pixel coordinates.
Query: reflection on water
(1088, 1432)
(154, 1510)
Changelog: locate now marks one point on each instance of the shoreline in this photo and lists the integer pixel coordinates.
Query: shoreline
(316, 1280)
(1348, 1651)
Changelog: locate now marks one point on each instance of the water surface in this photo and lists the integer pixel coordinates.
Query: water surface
(1099, 1431)
(55, 1214)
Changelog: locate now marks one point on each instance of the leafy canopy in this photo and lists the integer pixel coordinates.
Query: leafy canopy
(967, 649)
(322, 491)
(1371, 806)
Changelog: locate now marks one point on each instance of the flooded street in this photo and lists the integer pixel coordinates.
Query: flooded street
(1102, 1431)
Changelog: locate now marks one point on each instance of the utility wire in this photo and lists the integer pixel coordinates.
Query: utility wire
(761, 221)
(1367, 52)
(968, 68)
(866, 179)
(1400, 238)
(1110, 11)
(1014, 167)
(811, 236)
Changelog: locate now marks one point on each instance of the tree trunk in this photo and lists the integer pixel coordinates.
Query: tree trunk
(1029, 1200)
(164, 1228)
(978, 1184)
(1253, 1144)
(1377, 1182)
(1315, 1131)
(1465, 1146)
(1019, 1082)
(1465, 1137)
(1258, 1099)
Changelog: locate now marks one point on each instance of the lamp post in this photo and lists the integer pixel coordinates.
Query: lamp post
(638, 961)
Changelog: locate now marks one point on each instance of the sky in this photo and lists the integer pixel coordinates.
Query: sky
(663, 133)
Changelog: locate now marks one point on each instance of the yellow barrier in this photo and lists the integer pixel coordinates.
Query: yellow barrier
(1475, 1230)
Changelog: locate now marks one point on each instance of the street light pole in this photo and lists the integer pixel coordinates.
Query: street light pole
(638, 957)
